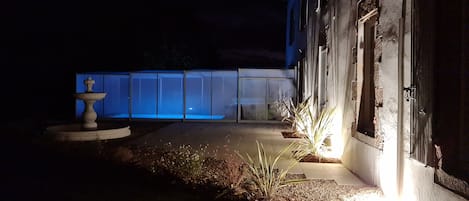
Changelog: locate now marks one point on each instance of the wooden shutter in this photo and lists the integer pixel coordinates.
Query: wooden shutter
(422, 79)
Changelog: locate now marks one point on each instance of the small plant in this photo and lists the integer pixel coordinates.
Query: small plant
(299, 116)
(318, 131)
(316, 127)
(265, 174)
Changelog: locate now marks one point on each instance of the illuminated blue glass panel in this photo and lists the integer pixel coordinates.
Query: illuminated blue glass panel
(80, 88)
(224, 94)
(198, 95)
(144, 95)
(116, 102)
(170, 95)
(253, 98)
(209, 95)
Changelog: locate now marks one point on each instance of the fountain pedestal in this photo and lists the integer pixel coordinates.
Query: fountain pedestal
(89, 115)
(89, 98)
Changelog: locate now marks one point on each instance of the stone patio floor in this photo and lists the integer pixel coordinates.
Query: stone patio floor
(242, 137)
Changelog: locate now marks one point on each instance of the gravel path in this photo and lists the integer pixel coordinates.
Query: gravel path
(326, 190)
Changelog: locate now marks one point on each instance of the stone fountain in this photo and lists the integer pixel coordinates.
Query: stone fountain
(88, 130)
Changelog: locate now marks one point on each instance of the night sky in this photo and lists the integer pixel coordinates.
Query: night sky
(44, 43)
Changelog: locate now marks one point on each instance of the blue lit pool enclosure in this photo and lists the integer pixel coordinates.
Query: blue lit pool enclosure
(214, 95)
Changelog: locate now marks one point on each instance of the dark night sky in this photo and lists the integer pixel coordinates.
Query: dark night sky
(44, 43)
(116, 35)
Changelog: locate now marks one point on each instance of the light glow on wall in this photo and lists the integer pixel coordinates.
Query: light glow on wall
(388, 169)
(408, 193)
(337, 139)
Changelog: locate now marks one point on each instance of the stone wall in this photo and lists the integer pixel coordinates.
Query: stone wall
(375, 160)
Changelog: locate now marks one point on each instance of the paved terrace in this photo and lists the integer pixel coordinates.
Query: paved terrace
(242, 137)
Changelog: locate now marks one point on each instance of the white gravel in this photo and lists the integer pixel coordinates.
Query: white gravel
(327, 190)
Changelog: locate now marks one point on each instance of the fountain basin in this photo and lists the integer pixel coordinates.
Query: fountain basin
(90, 96)
(75, 132)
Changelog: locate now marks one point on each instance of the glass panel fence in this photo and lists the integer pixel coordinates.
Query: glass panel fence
(209, 95)
(224, 95)
(144, 95)
(266, 73)
(116, 102)
(170, 95)
(253, 98)
(198, 95)
(279, 90)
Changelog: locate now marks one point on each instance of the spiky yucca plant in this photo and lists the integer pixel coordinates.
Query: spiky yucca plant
(318, 131)
(265, 174)
(299, 116)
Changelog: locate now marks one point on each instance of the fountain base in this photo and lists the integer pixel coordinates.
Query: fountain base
(76, 132)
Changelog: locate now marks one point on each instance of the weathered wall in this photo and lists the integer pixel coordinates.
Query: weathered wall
(341, 40)
(375, 160)
(419, 184)
(363, 160)
(418, 179)
(388, 28)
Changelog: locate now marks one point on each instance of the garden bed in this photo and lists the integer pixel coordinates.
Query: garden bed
(225, 179)
(318, 159)
(292, 134)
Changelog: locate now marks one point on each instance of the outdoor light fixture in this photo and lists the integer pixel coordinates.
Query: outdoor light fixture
(336, 137)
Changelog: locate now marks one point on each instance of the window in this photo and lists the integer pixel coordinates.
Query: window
(303, 16)
(305, 79)
(322, 77)
(365, 74)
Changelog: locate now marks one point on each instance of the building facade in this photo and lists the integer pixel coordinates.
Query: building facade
(397, 73)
